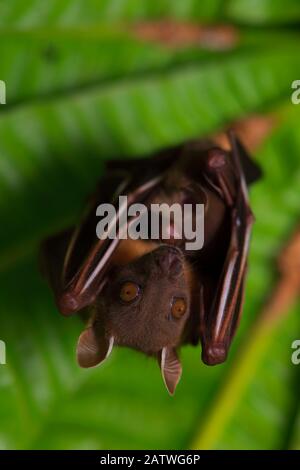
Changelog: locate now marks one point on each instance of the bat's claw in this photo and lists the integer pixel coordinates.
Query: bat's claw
(67, 304)
(214, 354)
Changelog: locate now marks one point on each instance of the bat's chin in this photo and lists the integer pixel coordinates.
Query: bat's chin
(214, 354)
(142, 344)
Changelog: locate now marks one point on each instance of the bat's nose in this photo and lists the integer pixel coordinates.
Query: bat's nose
(214, 354)
(169, 259)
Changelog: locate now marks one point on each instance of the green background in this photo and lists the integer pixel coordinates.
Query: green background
(81, 88)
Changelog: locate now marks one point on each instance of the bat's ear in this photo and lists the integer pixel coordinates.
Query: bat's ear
(170, 368)
(93, 348)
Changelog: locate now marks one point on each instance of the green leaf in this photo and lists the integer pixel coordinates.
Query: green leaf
(263, 11)
(39, 63)
(28, 13)
(48, 63)
(52, 151)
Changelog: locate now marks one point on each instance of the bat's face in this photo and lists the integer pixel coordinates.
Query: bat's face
(146, 304)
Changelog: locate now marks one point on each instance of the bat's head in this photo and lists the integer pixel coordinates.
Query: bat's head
(145, 306)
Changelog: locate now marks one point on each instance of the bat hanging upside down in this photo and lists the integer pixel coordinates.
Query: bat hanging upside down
(154, 295)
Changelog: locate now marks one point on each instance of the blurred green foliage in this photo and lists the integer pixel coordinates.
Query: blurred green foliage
(82, 88)
(28, 13)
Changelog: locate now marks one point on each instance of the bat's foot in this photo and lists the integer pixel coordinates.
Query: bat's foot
(214, 354)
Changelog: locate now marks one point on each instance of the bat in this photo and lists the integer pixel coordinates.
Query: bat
(155, 295)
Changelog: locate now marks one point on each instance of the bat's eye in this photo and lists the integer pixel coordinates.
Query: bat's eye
(129, 291)
(178, 307)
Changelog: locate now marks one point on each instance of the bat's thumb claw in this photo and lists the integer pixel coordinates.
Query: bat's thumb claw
(214, 354)
(67, 304)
